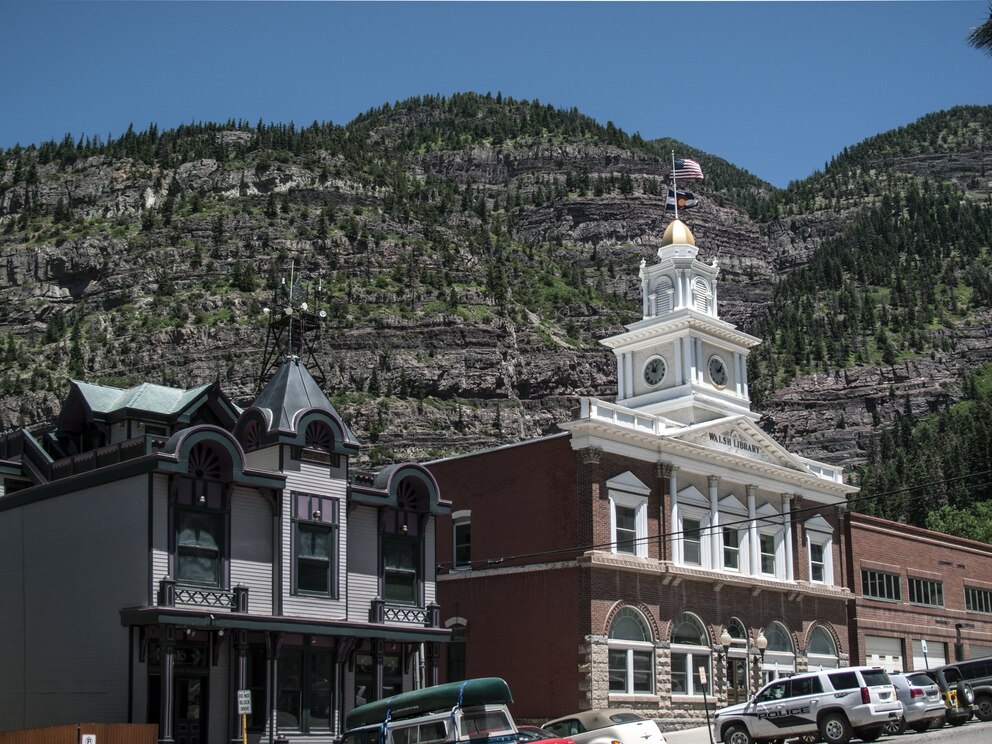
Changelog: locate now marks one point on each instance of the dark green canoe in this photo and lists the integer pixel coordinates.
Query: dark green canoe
(481, 691)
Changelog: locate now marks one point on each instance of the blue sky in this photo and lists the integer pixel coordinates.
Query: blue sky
(777, 88)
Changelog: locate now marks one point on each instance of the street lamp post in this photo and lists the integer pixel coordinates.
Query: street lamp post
(760, 643)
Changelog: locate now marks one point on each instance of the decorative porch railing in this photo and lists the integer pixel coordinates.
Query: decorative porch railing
(429, 616)
(171, 594)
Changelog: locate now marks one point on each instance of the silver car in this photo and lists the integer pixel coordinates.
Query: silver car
(921, 702)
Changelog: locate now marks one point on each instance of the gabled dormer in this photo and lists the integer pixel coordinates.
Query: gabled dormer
(680, 360)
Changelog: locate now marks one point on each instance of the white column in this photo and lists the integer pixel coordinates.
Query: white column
(687, 375)
(621, 376)
(629, 366)
(652, 304)
(752, 530)
(787, 521)
(699, 359)
(737, 373)
(744, 375)
(713, 311)
(679, 372)
(687, 288)
(678, 290)
(716, 538)
(673, 528)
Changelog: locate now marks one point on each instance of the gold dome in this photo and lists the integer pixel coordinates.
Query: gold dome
(677, 233)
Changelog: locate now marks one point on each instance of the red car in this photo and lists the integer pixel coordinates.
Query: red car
(528, 734)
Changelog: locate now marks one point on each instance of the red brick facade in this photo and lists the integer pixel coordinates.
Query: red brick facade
(904, 552)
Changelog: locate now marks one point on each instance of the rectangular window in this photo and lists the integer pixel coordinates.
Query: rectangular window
(977, 600)
(926, 592)
(199, 537)
(731, 548)
(692, 547)
(315, 544)
(816, 565)
(401, 569)
(462, 539)
(631, 671)
(766, 544)
(880, 585)
(626, 529)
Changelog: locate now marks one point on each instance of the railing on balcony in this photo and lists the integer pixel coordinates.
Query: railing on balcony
(171, 594)
(429, 616)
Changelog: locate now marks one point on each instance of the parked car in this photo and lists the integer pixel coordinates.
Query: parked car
(604, 726)
(958, 698)
(833, 704)
(977, 674)
(528, 734)
(922, 704)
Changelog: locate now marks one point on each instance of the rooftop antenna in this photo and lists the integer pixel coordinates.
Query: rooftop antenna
(293, 328)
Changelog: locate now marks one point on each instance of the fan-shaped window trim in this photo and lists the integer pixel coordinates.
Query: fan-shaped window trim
(779, 638)
(822, 642)
(319, 437)
(629, 625)
(688, 622)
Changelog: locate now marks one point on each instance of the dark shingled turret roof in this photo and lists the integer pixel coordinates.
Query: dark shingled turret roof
(292, 389)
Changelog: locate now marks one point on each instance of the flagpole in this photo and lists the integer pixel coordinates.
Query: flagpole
(675, 188)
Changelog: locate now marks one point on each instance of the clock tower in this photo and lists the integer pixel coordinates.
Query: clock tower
(680, 361)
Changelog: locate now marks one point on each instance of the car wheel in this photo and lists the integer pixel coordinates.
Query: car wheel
(894, 727)
(921, 726)
(984, 711)
(835, 728)
(966, 695)
(872, 733)
(737, 734)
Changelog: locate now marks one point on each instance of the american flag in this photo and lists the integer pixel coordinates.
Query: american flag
(685, 168)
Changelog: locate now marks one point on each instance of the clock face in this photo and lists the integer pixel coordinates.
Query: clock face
(654, 370)
(718, 371)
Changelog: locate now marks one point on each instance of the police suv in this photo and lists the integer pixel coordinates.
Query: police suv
(834, 704)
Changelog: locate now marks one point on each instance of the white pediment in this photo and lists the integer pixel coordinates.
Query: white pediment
(739, 436)
(628, 482)
(816, 523)
(733, 505)
(692, 495)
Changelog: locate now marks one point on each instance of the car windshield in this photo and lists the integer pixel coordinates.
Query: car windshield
(920, 680)
(626, 717)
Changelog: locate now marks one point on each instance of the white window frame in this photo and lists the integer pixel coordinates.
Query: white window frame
(695, 656)
(630, 648)
(627, 491)
(770, 524)
(820, 533)
(693, 505)
(733, 515)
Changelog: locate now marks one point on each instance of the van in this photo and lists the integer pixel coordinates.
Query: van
(454, 713)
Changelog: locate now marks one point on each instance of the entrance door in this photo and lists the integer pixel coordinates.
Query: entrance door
(191, 710)
(736, 681)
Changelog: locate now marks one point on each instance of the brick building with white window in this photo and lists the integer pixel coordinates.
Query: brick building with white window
(915, 589)
(161, 549)
(661, 534)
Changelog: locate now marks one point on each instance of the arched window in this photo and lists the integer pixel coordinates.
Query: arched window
(701, 295)
(690, 650)
(199, 517)
(780, 655)
(664, 296)
(318, 437)
(631, 652)
(822, 651)
(403, 543)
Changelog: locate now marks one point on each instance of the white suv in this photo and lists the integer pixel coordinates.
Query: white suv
(833, 704)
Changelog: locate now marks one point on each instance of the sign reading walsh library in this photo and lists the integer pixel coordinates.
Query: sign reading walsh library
(732, 441)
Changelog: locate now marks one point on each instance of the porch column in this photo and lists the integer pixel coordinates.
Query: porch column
(752, 531)
(378, 650)
(167, 693)
(673, 492)
(240, 642)
(716, 538)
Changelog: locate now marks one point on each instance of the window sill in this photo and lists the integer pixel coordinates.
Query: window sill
(691, 699)
(634, 697)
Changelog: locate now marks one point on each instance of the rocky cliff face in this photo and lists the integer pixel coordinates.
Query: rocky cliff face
(420, 353)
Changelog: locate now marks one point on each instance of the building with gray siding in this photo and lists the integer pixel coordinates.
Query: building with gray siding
(162, 549)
